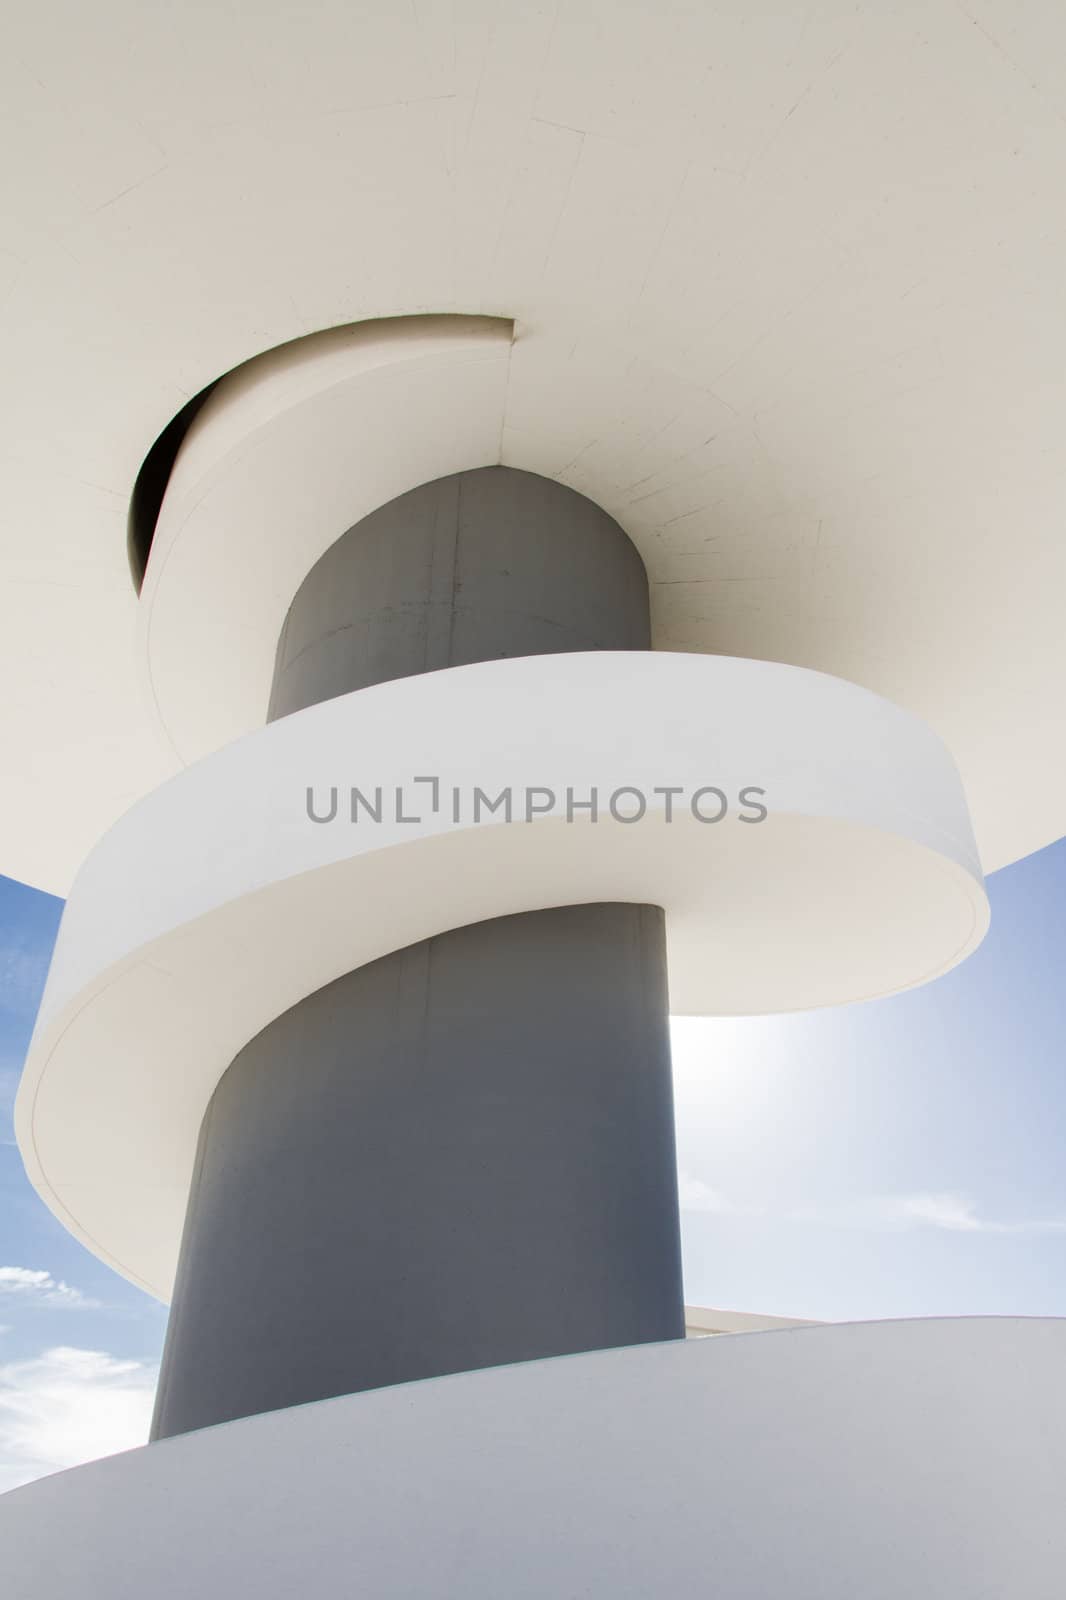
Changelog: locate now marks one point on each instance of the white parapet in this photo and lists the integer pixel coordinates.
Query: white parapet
(701, 1322)
(217, 902)
(290, 451)
(887, 1461)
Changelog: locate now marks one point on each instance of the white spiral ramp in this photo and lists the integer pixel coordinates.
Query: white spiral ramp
(218, 902)
(810, 844)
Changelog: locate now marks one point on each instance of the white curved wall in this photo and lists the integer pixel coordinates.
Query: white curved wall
(215, 904)
(287, 454)
(880, 1461)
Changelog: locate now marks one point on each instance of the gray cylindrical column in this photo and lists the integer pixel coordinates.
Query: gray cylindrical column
(462, 1154)
(457, 1156)
(476, 567)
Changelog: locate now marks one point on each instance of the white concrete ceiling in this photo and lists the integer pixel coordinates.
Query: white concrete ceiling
(787, 284)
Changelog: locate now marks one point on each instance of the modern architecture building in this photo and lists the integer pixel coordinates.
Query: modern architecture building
(518, 519)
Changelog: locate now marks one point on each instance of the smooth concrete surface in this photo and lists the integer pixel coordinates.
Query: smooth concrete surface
(887, 1461)
(215, 904)
(477, 566)
(465, 1151)
(787, 291)
(319, 411)
(701, 1322)
(459, 1156)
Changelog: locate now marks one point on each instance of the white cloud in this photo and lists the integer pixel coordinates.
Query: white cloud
(68, 1406)
(22, 971)
(695, 1195)
(955, 1213)
(39, 1287)
(10, 1068)
(947, 1210)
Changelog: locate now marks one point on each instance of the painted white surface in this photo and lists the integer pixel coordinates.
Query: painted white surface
(701, 1321)
(788, 297)
(216, 904)
(284, 458)
(892, 1461)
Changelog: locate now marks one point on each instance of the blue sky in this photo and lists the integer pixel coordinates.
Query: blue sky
(903, 1158)
(79, 1345)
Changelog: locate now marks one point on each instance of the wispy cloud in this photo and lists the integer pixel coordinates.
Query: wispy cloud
(67, 1406)
(695, 1195)
(22, 973)
(947, 1210)
(953, 1213)
(32, 1285)
(9, 1082)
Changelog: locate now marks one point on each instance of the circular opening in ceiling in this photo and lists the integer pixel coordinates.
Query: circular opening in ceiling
(151, 484)
(152, 479)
